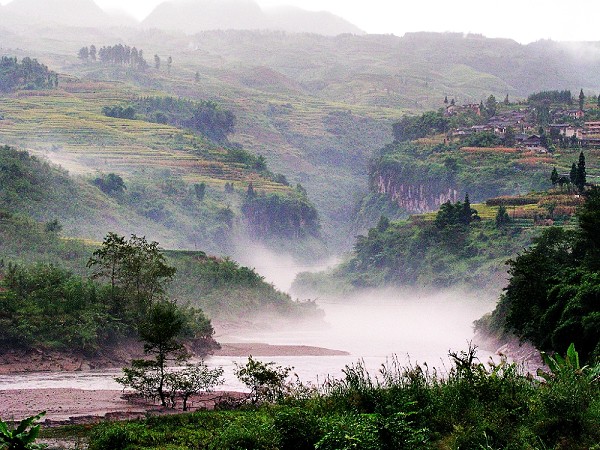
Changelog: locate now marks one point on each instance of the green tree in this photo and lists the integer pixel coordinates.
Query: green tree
(573, 174)
(93, 52)
(23, 436)
(84, 53)
(581, 177)
(169, 64)
(136, 269)
(160, 332)
(490, 106)
(502, 217)
(509, 137)
(554, 176)
(266, 381)
(581, 100)
(156, 62)
(200, 190)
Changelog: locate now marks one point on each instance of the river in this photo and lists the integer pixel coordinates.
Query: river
(415, 328)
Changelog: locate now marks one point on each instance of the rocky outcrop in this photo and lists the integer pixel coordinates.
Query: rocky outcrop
(415, 198)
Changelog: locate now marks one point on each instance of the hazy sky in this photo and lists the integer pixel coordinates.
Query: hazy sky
(522, 20)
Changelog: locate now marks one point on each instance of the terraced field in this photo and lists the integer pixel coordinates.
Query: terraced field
(68, 127)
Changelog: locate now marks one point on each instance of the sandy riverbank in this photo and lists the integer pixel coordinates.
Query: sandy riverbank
(65, 405)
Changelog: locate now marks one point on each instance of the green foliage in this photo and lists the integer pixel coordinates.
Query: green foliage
(119, 112)
(44, 306)
(23, 436)
(564, 97)
(205, 117)
(110, 184)
(473, 405)
(28, 74)
(410, 128)
(553, 293)
(289, 216)
(123, 55)
(136, 269)
(267, 382)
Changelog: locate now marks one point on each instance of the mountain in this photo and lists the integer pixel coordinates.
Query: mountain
(297, 20)
(79, 13)
(201, 15)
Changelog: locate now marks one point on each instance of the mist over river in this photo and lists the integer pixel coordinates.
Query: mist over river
(372, 327)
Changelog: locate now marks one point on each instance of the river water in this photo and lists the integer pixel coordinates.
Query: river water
(372, 328)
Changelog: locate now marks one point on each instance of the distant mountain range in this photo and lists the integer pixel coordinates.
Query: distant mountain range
(188, 16)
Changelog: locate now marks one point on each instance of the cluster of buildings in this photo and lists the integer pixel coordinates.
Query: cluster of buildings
(526, 131)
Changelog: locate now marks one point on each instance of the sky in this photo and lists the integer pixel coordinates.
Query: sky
(523, 20)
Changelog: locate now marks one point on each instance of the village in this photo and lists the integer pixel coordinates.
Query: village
(521, 127)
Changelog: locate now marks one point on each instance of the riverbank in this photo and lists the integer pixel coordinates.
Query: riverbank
(76, 406)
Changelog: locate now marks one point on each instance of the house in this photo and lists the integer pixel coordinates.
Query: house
(575, 113)
(529, 141)
(566, 129)
(591, 127)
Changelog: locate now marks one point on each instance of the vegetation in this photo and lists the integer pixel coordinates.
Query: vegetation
(47, 307)
(23, 436)
(119, 54)
(288, 216)
(28, 74)
(475, 405)
(552, 295)
(162, 331)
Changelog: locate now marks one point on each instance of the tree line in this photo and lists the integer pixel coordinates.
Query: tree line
(44, 306)
(119, 54)
(27, 74)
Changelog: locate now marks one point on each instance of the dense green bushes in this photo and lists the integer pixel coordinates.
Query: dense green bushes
(43, 306)
(553, 295)
(289, 216)
(474, 405)
(28, 74)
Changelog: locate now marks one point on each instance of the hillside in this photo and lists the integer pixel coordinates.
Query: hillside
(441, 250)
(180, 187)
(310, 103)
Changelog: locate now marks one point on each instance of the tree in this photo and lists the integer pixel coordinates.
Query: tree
(169, 64)
(509, 137)
(266, 381)
(156, 62)
(446, 100)
(84, 53)
(573, 174)
(581, 100)
(598, 100)
(93, 52)
(490, 106)
(111, 184)
(191, 380)
(200, 190)
(137, 271)
(465, 214)
(554, 176)
(197, 77)
(160, 331)
(250, 191)
(581, 177)
(502, 217)
(506, 101)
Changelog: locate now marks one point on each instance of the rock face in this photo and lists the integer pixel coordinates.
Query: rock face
(415, 198)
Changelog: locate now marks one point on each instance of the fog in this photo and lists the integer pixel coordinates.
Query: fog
(279, 269)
